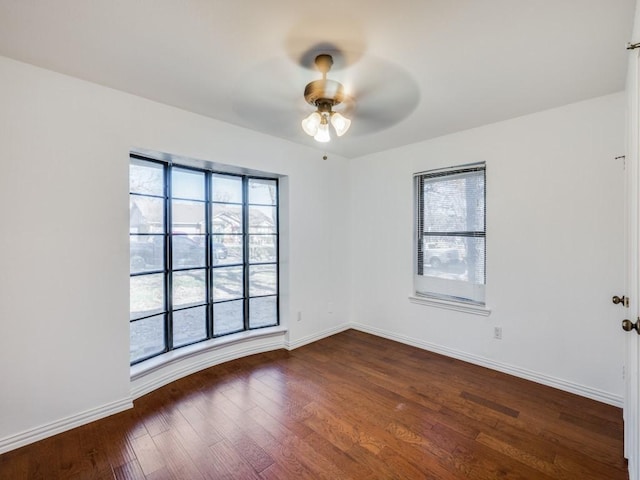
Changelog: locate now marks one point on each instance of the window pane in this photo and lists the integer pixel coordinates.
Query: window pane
(262, 192)
(146, 295)
(146, 337)
(263, 312)
(227, 283)
(146, 177)
(262, 248)
(146, 214)
(226, 218)
(187, 217)
(263, 280)
(455, 203)
(226, 188)
(189, 326)
(189, 288)
(474, 259)
(262, 220)
(146, 253)
(228, 317)
(443, 253)
(187, 184)
(227, 249)
(455, 258)
(188, 251)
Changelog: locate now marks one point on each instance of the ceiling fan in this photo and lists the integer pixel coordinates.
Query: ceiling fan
(324, 94)
(365, 95)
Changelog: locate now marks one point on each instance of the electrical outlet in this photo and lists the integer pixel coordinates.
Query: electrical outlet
(497, 333)
(299, 316)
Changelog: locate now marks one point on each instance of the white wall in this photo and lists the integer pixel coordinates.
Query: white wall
(64, 147)
(554, 247)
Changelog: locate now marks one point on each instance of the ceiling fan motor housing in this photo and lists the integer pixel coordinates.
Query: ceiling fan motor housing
(322, 92)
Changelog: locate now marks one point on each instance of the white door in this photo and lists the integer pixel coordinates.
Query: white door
(632, 370)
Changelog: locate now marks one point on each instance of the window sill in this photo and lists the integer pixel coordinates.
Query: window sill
(167, 359)
(450, 305)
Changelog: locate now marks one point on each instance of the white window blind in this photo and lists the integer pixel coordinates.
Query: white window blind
(451, 232)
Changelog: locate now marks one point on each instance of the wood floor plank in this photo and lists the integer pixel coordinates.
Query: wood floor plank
(16, 464)
(129, 471)
(198, 421)
(570, 446)
(277, 472)
(228, 418)
(148, 455)
(544, 465)
(283, 457)
(343, 460)
(177, 461)
(350, 406)
(485, 402)
(523, 440)
(227, 461)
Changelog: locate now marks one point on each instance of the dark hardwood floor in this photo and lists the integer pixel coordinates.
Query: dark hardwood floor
(349, 406)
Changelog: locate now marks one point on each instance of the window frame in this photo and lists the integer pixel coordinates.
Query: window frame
(169, 270)
(472, 297)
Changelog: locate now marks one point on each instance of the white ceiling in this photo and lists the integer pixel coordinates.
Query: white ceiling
(417, 68)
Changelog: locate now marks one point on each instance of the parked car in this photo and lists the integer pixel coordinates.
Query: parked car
(149, 252)
(219, 251)
(437, 254)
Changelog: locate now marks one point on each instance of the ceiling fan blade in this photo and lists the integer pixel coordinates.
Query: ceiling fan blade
(271, 95)
(383, 95)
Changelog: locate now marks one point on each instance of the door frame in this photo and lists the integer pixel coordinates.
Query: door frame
(631, 410)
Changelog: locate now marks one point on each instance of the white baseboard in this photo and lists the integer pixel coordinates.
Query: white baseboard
(43, 431)
(560, 384)
(316, 336)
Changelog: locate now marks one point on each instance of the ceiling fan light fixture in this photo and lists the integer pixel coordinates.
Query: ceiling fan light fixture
(311, 123)
(323, 131)
(324, 95)
(340, 123)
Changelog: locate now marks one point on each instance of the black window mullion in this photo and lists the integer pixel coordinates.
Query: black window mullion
(420, 224)
(168, 262)
(455, 234)
(245, 249)
(484, 194)
(208, 197)
(450, 172)
(278, 252)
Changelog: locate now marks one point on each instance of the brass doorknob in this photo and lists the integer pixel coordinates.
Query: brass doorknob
(623, 300)
(628, 325)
